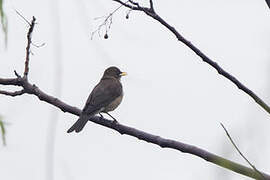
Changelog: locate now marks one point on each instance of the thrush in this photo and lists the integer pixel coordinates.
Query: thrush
(105, 97)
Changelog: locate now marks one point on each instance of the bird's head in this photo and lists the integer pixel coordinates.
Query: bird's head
(114, 72)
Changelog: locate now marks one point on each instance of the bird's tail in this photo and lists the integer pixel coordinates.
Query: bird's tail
(79, 124)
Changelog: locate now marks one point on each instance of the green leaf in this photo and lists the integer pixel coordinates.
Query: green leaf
(4, 21)
(3, 130)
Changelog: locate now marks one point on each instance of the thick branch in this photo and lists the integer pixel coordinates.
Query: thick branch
(154, 139)
(205, 58)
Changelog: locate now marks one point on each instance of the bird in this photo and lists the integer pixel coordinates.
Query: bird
(105, 97)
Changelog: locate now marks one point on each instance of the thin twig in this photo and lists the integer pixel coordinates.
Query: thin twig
(241, 154)
(127, 13)
(107, 22)
(134, 3)
(152, 5)
(16, 74)
(13, 94)
(38, 45)
(22, 17)
(28, 51)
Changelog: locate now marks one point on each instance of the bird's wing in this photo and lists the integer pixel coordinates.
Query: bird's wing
(102, 95)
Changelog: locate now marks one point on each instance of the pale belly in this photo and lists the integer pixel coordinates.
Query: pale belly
(113, 105)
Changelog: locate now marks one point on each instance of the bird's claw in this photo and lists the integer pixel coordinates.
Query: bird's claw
(101, 116)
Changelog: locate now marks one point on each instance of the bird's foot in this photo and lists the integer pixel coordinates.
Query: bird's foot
(101, 116)
(114, 120)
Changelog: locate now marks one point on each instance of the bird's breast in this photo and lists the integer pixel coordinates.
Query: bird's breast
(114, 104)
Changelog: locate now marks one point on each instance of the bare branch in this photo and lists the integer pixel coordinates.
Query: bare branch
(127, 5)
(28, 51)
(10, 81)
(16, 74)
(154, 139)
(134, 3)
(22, 17)
(152, 5)
(29, 88)
(241, 154)
(204, 57)
(106, 23)
(268, 3)
(13, 94)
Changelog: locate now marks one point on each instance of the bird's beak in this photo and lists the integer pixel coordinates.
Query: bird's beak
(123, 74)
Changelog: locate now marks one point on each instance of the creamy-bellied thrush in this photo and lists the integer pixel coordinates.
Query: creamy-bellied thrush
(105, 97)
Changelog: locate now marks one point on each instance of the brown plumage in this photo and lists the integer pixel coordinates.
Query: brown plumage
(105, 97)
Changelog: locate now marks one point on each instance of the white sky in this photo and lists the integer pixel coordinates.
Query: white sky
(169, 91)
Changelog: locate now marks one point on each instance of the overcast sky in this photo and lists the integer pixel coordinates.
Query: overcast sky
(169, 91)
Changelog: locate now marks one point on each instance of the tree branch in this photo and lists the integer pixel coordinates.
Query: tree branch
(154, 139)
(241, 154)
(29, 42)
(128, 5)
(10, 81)
(152, 5)
(204, 57)
(268, 3)
(106, 23)
(13, 94)
(29, 88)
